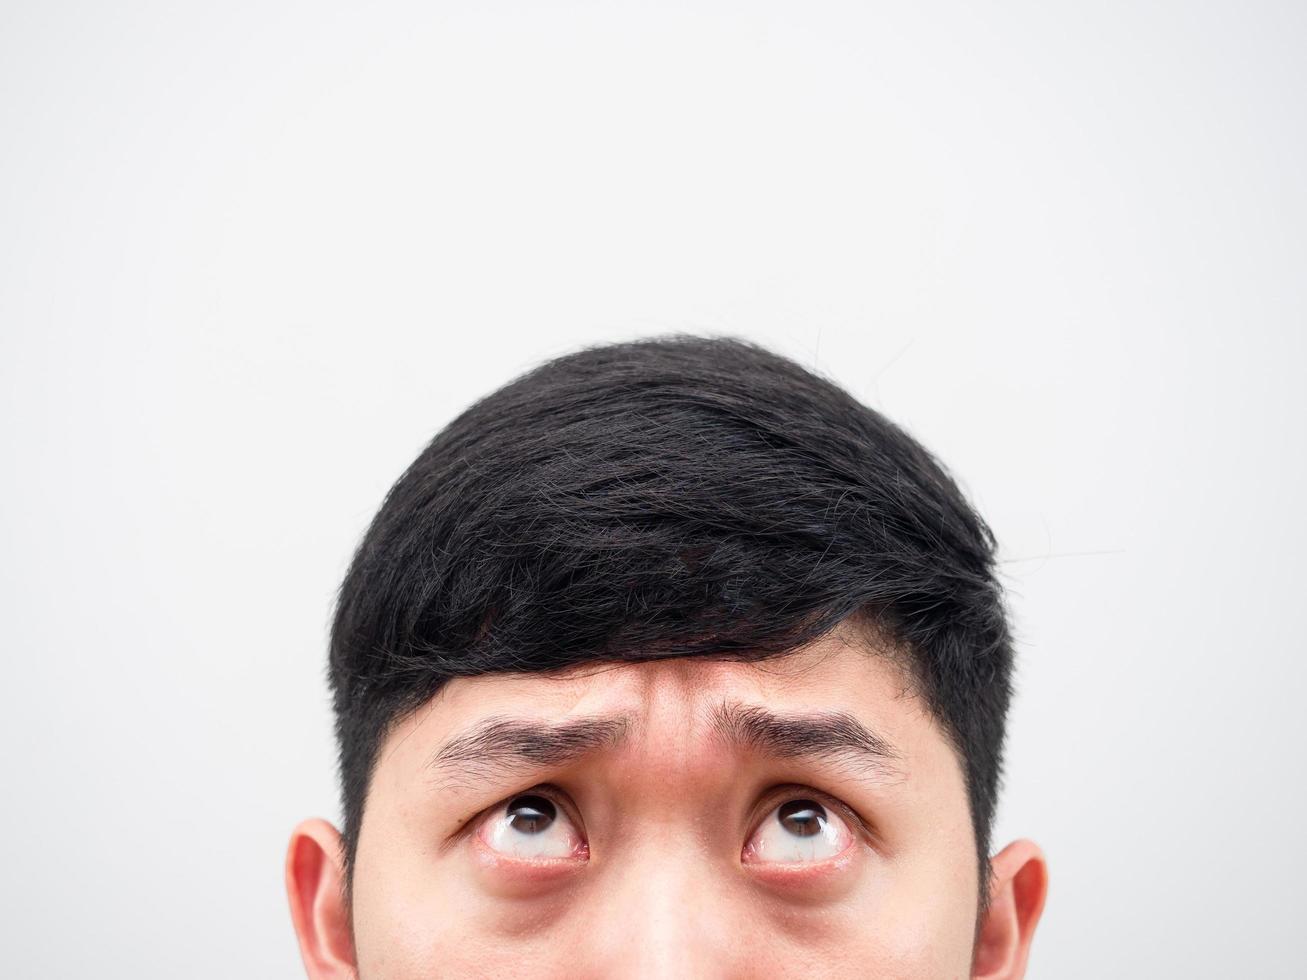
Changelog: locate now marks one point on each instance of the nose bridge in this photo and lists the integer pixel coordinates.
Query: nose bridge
(664, 915)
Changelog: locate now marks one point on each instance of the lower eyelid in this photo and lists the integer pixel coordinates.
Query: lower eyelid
(814, 880)
(582, 854)
(510, 877)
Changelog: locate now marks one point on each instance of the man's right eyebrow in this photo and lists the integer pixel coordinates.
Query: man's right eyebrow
(502, 746)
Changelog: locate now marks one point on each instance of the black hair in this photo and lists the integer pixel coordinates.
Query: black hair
(670, 497)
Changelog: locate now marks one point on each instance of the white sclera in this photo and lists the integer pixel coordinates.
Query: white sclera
(558, 840)
(774, 843)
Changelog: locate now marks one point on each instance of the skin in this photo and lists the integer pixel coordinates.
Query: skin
(666, 856)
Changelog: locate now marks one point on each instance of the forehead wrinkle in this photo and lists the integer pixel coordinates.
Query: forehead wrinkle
(499, 746)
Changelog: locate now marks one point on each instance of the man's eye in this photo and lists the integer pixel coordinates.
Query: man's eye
(799, 831)
(532, 826)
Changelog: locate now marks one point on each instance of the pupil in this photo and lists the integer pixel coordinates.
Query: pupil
(530, 814)
(802, 818)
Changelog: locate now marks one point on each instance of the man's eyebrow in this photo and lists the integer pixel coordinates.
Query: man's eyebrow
(501, 746)
(834, 737)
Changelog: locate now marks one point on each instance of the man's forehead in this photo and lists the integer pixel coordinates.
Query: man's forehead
(834, 673)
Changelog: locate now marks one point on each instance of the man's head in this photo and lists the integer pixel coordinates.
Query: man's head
(669, 656)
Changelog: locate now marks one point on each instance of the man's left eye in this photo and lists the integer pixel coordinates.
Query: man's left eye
(532, 826)
(799, 831)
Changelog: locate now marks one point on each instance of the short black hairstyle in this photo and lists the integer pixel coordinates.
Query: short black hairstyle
(670, 497)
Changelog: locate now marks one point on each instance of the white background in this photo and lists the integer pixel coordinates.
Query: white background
(254, 255)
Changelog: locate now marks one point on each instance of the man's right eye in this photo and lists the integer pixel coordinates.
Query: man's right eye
(532, 826)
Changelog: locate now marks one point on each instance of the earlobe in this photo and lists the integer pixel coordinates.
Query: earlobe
(1018, 887)
(315, 886)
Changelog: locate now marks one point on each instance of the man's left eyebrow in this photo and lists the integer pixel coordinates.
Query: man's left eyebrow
(833, 737)
(501, 746)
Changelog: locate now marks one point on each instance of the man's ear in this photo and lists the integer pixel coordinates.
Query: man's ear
(1018, 887)
(315, 878)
